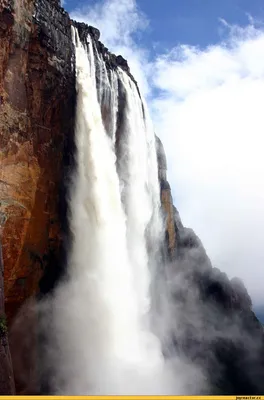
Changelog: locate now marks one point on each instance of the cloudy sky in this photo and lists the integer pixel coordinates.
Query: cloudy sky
(200, 64)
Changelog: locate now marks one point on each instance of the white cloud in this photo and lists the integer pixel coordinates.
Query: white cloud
(209, 114)
(210, 117)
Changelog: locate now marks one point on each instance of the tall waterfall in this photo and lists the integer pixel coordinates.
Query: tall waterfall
(102, 312)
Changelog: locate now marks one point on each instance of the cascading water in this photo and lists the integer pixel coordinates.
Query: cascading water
(107, 90)
(139, 176)
(101, 314)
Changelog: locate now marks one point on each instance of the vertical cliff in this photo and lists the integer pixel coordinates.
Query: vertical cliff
(7, 385)
(36, 131)
(167, 202)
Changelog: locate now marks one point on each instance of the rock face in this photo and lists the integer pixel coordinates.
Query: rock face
(7, 385)
(166, 199)
(37, 101)
(219, 332)
(36, 131)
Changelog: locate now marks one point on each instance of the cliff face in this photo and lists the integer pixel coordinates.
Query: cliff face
(167, 203)
(37, 98)
(7, 385)
(36, 131)
(219, 332)
(37, 101)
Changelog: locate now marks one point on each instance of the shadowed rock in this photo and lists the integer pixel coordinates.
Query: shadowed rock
(7, 386)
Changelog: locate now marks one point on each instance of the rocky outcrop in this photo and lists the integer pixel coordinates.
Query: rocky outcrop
(219, 332)
(111, 60)
(36, 131)
(166, 200)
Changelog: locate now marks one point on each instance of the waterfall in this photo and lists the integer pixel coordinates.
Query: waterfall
(139, 176)
(104, 341)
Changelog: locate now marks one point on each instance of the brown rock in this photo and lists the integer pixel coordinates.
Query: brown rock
(7, 385)
(36, 123)
(23, 348)
(166, 199)
(167, 204)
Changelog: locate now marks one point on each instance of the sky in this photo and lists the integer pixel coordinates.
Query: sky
(200, 66)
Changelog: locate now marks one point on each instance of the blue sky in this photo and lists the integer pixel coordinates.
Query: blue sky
(200, 65)
(195, 22)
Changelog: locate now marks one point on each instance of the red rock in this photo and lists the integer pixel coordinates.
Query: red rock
(36, 122)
